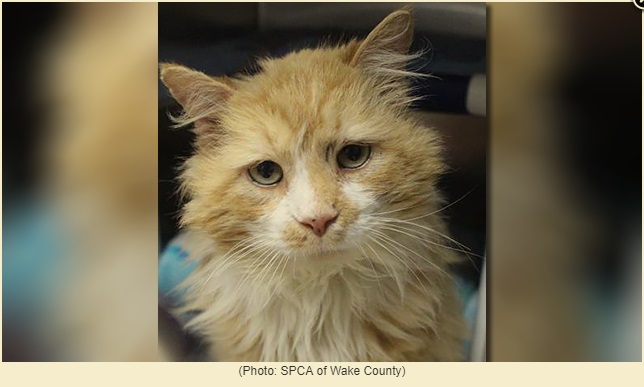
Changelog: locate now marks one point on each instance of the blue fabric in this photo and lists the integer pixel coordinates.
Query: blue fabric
(174, 267)
(33, 264)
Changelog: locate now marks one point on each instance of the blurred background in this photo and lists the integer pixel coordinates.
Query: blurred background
(85, 212)
(565, 182)
(226, 38)
(80, 237)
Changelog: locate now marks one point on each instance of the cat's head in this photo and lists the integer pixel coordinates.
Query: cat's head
(308, 154)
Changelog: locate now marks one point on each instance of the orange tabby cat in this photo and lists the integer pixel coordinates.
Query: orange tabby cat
(313, 193)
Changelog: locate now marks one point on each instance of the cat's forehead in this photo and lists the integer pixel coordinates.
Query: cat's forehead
(300, 89)
(300, 100)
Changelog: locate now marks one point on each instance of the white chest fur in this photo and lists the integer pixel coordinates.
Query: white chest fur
(319, 314)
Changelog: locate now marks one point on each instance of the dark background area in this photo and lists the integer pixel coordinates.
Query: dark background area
(25, 30)
(601, 94)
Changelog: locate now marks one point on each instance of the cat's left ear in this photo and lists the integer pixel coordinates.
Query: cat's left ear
(200, 95)
(388, 43)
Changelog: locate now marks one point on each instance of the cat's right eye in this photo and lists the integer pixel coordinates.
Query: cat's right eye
(353, 156)
(266, 173)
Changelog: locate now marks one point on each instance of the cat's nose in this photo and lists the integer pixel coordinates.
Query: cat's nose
(320, 223)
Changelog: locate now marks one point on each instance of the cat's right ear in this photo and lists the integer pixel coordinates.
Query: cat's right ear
(388, 43)
(200, 95)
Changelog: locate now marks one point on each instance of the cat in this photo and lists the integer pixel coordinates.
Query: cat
(313, 194)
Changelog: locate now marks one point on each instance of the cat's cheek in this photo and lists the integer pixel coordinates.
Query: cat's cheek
(358, 195)
(276, 221)
(358, 203)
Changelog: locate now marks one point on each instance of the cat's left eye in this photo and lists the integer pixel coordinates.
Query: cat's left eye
(266, 173)
(353, 156)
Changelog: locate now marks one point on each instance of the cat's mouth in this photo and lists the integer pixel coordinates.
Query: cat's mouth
(322, 248)
(325, 236)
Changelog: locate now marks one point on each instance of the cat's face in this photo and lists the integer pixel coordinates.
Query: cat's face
(306, 156)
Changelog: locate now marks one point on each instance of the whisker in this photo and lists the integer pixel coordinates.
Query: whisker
(284, 259)
(468, 253)
(233, 256)
(427, 243)
(263, 254)
(445, 207)
(373, 269)
(400, 209)
(385, 239)
(278, 259)
(427, 228)
(393, 276)
(266, 269)
(376, 240)
(423, 258)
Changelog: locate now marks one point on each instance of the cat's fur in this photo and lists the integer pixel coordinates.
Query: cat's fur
(375, 286)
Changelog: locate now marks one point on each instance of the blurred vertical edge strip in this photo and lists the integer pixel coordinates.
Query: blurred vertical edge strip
(85, 218)
(565, 113)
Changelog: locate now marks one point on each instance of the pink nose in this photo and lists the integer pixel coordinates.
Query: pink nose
(319, 224)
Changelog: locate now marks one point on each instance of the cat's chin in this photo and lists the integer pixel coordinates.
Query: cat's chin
(326, 254)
